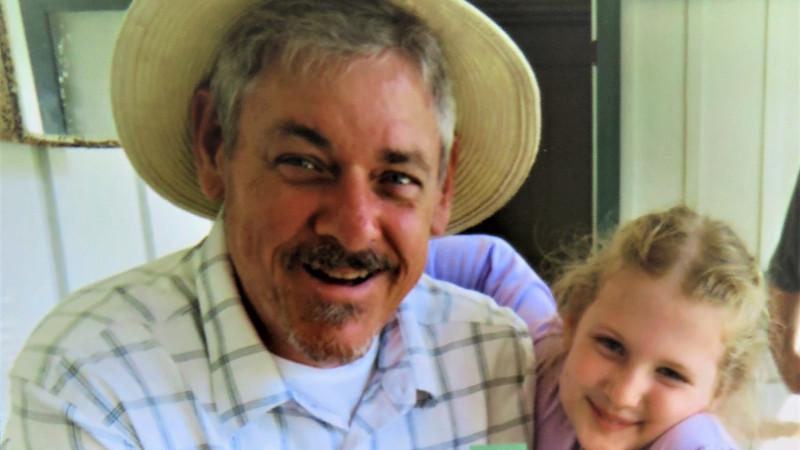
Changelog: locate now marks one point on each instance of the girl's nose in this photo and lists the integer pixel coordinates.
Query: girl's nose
(627, 387)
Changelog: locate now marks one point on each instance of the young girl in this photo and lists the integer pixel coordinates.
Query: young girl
(660, 326)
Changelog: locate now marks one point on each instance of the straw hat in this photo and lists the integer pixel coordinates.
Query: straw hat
(166, 48)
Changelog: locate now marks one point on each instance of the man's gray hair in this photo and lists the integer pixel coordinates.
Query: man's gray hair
(299, 35)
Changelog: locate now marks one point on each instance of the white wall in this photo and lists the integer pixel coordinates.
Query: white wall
(711, 110)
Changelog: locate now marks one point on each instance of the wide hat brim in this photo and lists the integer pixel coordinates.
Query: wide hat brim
(166, 48)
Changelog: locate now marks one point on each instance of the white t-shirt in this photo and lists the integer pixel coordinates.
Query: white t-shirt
(330, 394)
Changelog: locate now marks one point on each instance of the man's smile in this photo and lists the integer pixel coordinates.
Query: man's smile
(327, 261)
(343, 275)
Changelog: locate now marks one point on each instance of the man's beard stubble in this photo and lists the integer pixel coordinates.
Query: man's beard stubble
(325, 349)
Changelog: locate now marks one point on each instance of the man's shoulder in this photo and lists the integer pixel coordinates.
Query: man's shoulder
(437, 302)
(112, 314)
(141, 294)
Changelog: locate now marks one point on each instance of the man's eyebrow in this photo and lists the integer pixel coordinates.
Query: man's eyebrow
(413, 157)
(315, 138)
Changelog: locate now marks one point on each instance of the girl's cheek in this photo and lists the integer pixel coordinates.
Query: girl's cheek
(582, 366)
(595, 367)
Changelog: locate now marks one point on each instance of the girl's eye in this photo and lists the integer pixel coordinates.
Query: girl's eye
(610, 345)
(672, 374)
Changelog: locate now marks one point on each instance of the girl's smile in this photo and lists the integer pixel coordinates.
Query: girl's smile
(641, 358)
(608, 421)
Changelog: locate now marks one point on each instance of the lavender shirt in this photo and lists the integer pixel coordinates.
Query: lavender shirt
(490, 265)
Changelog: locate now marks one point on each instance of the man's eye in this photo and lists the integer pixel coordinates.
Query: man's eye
(672, 374)
(400, 179)
(302, 169)
(610, 345)
(299, 161)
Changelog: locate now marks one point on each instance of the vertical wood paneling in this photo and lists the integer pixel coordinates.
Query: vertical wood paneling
(730, 105)
(172, 227)
(28, 270)
(98, 212)
(692, 95)
(147, 220)
(652, 81)
(45, 176)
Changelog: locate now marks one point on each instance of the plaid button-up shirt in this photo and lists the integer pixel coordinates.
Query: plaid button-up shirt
(165, 357)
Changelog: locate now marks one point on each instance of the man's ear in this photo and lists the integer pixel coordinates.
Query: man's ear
(207, 144)
(441, 216)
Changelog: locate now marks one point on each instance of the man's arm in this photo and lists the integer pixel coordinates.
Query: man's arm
(784, 304)
(784, 309)
(490, 265)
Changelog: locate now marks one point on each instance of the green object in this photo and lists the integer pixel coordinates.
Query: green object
(607, 115)
(499, 447)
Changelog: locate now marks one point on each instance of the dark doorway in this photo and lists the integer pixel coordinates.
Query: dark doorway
(555, 203)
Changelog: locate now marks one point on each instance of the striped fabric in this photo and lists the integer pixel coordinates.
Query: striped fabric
(164, 357)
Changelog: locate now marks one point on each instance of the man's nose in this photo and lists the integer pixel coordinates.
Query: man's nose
(627, 387)
(350, 213)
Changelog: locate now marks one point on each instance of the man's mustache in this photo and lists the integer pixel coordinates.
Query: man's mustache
(328, 254)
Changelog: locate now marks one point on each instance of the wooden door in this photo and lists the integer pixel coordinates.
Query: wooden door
(555, 202)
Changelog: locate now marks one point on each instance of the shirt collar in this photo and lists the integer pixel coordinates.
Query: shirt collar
(413, 335)
(245, 380)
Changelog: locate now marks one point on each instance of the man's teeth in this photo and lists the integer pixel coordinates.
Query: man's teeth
(348, 275)
(344, 273)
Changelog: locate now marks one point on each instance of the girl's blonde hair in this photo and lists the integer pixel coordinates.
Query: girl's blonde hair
(715, 267)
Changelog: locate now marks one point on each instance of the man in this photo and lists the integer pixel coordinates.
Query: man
(784, 283)
(322, 138)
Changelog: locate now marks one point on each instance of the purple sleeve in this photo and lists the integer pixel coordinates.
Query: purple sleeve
(698, 432)
(490, 265)
(552, 429)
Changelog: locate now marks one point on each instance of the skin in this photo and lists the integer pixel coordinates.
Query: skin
(330, 198)
(641, 358)
(785, 314)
